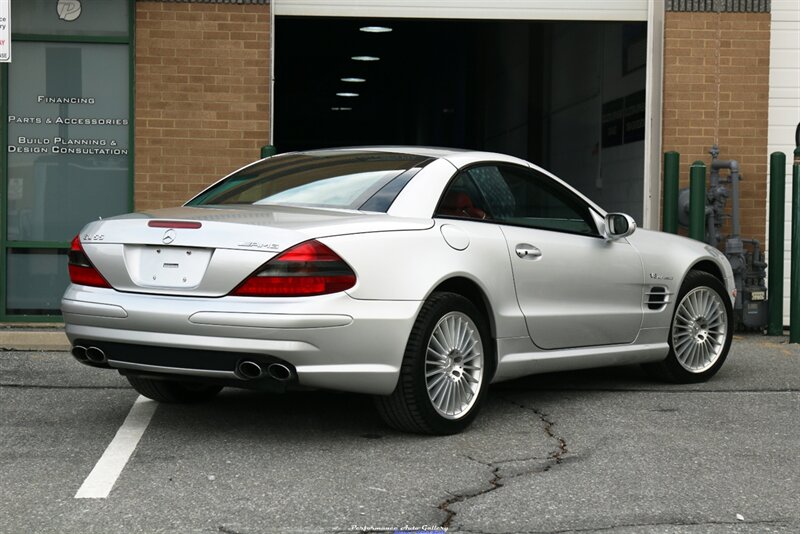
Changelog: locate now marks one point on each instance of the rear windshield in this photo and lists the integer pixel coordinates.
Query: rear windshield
(327, 179)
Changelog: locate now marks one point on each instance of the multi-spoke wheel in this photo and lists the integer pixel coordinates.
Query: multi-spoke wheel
(454, 365)
(700, 332)
(445, 369)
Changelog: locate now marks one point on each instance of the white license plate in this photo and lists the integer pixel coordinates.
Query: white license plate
(758, 295)
(167, 267)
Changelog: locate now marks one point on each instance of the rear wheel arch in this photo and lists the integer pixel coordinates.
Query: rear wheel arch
(472, 291)
(445, 372)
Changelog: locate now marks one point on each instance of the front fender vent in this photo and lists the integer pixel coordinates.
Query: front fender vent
(656, 298)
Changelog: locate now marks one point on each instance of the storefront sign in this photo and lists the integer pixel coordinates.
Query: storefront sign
(5, 31)
(67, 142)
(68, 137)
(102, 142)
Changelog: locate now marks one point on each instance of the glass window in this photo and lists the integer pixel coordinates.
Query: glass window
(70, 17)
(68, 146)
(36, 280)
(315, 179)
(517, 196)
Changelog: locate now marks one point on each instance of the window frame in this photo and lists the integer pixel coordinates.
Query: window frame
(571, 199)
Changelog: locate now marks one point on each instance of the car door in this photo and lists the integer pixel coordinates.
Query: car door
(574, 287)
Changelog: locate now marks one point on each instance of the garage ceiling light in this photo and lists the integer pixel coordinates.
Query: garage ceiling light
(353, 80)
(365, 58)
(348, 95)
(375, 29)
(341, 109)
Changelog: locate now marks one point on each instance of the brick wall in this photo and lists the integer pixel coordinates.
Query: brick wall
(202, 95)
(716, 90)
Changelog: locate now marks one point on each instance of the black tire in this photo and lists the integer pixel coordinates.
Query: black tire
(411, 408)
(709, 332)
(173, 391)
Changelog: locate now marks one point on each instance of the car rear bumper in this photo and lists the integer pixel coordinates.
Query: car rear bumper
(332, 341)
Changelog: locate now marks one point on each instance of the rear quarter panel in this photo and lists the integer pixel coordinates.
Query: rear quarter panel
(409, 265)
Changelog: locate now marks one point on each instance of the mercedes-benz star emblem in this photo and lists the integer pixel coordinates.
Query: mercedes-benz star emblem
(169, 237)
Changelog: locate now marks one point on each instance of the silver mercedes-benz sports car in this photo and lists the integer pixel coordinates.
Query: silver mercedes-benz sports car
(417, 275)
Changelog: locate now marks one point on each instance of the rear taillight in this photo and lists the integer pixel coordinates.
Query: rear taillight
(81, 270)
(306, 269)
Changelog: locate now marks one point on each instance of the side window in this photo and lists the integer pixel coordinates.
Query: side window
(517, 196)
(463, 199)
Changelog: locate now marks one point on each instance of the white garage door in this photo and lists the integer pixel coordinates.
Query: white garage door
(784, 106)
(468, 9)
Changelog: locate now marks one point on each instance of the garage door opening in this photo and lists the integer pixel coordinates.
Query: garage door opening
(569, 96)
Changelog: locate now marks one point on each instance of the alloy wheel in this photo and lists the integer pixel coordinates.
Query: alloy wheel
(454, 365)
(699, 330)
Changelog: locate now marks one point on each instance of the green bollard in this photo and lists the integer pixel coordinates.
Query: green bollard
(697, 201)
(671, 170)
(777, 214)
(268, 150)
(794, 290)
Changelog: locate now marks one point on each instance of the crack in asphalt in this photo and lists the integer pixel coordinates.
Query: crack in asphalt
(558, 454)
(554, 458)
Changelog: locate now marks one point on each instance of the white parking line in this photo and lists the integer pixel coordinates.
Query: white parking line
(105, 474)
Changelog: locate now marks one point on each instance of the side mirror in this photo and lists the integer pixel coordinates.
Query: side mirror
(619, 225)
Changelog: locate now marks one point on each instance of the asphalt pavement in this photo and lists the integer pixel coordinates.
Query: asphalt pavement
(593, 451)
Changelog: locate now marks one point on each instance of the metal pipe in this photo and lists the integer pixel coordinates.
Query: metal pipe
(735, 177)
(794, 290)
(279, 372)
(79, 353)
(715, 200)
(671, 191)
(249, 370)
(95, 355)
(777, 194)
(736, 222)
(697, 201)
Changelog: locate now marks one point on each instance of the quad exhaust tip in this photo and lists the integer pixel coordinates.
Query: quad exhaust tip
(279, 372)
(89, 355)
(79, 353)
(96, 355)
(250, 370)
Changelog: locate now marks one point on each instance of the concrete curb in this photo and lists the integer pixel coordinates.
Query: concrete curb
(33, 339)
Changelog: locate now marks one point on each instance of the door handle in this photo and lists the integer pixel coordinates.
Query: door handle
(528, 252)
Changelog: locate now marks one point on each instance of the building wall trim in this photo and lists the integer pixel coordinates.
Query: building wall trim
(720, 6)
(616, 10)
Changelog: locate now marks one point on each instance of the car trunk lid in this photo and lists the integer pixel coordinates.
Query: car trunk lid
(208, 251)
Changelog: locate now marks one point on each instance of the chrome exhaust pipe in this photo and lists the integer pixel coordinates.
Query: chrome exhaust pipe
(279, 372)
(249, 370)
(96, 355)
(79, 353)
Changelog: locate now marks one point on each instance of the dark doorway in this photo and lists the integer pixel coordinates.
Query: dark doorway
(555, 93)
